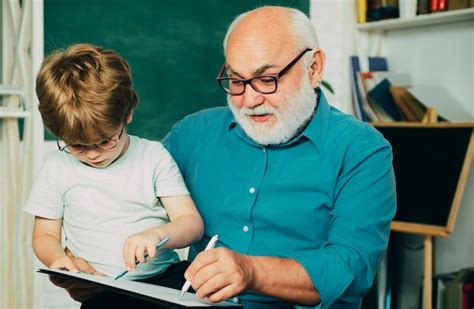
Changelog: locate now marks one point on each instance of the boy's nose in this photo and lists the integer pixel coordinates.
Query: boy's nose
(92, 153)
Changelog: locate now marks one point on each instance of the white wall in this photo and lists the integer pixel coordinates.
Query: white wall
(334, 20)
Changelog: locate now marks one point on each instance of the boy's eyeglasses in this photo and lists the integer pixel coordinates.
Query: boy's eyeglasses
(265, 84)
(77, 149)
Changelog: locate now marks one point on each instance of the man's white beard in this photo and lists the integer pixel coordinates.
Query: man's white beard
(291, 114)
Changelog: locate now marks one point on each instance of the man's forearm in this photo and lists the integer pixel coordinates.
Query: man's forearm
(282, 278)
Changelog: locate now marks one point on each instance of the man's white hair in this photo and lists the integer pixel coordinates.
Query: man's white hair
(300, 24)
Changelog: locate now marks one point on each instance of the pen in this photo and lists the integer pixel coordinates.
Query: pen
(187, 284)
(158, 246)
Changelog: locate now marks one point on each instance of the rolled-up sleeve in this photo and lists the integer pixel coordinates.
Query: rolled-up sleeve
(344, 267)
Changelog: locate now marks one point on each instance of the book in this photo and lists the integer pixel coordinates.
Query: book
(382, 9)
(165, 297)
(364, 64)
(382, 111)
(412, 109)
(361, 9)
(366, 104)
(382, 97)
(423, 7)
(458, 4)
(438, 5)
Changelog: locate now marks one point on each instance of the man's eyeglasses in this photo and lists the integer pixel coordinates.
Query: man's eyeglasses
(77, 149)
(265, 84)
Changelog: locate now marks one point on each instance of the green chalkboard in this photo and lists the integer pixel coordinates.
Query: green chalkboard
(173, 47)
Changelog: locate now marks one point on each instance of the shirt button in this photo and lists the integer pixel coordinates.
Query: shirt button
(264, 150)
(245, 229)
(252, 190)
(235, 300)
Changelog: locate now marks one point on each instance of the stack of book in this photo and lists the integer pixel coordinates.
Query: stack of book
(371, 86)
(380, 95)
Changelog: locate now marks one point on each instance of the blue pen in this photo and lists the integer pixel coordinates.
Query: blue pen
(158, 246)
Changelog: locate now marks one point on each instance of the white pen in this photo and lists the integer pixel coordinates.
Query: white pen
(187, 284)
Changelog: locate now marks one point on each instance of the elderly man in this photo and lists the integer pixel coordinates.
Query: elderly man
(300, 194)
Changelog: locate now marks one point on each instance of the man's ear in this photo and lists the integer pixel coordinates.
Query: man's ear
(130, 117)
(316, 70)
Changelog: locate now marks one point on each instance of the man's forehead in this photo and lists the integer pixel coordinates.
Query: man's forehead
(256, 58)
(254, 45)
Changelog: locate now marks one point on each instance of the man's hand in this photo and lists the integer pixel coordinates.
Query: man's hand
(79, 291)
(219, 274)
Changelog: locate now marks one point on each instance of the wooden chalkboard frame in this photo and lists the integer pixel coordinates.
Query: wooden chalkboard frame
(435, 230)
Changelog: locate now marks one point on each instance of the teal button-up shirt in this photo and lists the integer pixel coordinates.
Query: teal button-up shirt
(325, 199)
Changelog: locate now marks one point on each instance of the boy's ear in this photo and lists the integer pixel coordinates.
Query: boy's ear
(130, 117)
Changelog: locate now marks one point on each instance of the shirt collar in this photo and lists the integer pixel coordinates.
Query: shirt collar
(315, 131)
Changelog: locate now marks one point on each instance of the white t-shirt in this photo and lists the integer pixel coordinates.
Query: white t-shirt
(102, 207)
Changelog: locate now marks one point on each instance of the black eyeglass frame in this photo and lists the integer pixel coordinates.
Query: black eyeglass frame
(220, 79)
(84, 146)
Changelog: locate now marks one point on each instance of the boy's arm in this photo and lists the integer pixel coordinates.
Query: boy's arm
(185, 227)
(47, 244)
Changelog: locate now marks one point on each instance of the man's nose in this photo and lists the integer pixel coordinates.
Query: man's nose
(252, 98)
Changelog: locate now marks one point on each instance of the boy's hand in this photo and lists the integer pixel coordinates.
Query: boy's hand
(136, 246)
(79, 291)
(64, 262)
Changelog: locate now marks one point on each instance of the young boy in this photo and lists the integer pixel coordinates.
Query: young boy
(114, 195)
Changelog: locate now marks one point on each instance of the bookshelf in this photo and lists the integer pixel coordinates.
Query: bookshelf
(420, 20)
(435, 49)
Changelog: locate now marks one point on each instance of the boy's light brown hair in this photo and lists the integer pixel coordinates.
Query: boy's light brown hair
(85, 93)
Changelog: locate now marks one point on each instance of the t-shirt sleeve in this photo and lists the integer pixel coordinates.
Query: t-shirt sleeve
(167, 177)
(45, 199)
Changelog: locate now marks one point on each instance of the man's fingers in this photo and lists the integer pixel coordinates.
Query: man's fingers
(212, 285)
(223, 294)
(202, 260)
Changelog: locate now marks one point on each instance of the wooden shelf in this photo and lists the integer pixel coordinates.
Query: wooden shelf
(404, 124)
(420, 20)
(6, 112)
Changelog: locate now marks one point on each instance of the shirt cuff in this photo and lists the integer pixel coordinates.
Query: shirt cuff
(329, 274)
